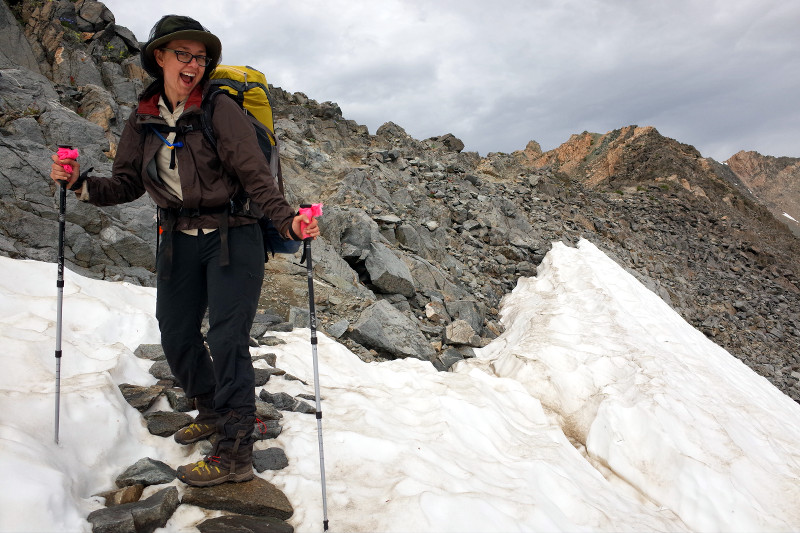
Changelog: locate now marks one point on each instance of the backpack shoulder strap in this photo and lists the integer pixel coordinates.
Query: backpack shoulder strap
(206, 124)
(207, 116)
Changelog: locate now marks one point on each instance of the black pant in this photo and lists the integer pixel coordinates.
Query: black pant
(230, 293)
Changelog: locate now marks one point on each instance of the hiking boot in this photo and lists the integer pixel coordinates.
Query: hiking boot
(217, 469)
(195, 432)
(205, 423)
(232, 457)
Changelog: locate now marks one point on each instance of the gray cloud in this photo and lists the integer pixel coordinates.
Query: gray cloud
(721, 75)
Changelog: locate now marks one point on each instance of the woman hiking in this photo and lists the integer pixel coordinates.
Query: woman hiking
(212, 256)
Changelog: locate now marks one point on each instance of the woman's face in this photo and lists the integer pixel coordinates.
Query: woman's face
(180, 79)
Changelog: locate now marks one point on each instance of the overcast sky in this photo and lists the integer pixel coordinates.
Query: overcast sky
(722, 75)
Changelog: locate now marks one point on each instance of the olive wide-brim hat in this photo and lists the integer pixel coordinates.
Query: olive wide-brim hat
(174, 27)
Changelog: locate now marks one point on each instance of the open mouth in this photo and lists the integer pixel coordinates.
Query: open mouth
(187, 78)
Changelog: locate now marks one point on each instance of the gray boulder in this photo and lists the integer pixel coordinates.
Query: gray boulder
(166, 423)
(161, 370)
(257, 498)
(270, 459)
(394, 133)
(178, 401)
(93, 16)
(140, 517)
(330, 267)
(471, 312)
(449, 142)
(382, 327)
(356, 242)
(267, 411)
(408, 235)
(299, 317)
(140, 398)
(351, 226)
(430, 279)
(447, 358)
(146, 471)
(338, 328)
(280, 400)
(459, 332)
(388, 273)
(153, 352)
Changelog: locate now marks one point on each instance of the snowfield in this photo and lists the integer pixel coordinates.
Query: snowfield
(598, 409)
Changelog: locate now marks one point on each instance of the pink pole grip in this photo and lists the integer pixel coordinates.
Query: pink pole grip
(312, 211)
(67, 153)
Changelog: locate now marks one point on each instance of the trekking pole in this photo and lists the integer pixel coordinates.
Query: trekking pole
(312, 211)
(64, 152)
(60, 284)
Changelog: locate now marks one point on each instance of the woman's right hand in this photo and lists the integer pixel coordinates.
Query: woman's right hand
(58, 174)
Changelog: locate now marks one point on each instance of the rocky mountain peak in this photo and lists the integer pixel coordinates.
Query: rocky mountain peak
(629, 155)
(774, 180)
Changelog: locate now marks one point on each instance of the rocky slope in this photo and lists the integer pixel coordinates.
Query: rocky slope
(420, 239)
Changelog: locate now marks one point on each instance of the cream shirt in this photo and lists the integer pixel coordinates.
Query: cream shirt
(170, 176)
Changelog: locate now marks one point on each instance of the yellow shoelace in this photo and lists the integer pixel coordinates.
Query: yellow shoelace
(203, 464)
(194, 426)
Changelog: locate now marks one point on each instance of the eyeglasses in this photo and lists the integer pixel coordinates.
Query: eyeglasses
(186, 57)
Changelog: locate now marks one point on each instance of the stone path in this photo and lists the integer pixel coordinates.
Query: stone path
(254, 506)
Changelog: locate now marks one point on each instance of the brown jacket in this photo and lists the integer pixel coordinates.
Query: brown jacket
(209, 179)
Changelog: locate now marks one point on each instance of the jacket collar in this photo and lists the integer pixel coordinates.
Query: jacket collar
(149, 106)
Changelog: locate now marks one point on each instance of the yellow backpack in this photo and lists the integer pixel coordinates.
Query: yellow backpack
(249, 88)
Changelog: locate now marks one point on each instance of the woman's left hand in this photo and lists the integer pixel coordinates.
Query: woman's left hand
(311, 230)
